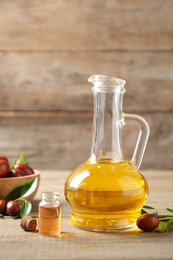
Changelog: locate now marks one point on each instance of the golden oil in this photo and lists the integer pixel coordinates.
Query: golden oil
(49, 214)
(105, 196)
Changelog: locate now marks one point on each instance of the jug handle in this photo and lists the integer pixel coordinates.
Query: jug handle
(143, 135)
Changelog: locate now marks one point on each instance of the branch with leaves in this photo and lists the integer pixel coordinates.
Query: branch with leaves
(20, 193)
(165, 221)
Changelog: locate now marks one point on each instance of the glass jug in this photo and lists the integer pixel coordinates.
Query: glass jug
(106, 192)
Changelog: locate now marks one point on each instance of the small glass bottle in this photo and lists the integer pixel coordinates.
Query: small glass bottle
(49, 217)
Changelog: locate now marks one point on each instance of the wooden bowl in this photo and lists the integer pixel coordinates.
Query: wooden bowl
(8, 184)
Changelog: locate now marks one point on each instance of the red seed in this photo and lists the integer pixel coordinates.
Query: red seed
(147, 222)
(4, 168)
(12, 208)
(21, 169)
(3, 204)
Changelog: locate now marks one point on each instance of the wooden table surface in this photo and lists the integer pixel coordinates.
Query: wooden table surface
(76, 244)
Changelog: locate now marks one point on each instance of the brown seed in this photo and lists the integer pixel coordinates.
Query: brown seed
(23, 222)
(147, 222)
(3, 204)
(28, 223)
(4, 168)
(12, 208)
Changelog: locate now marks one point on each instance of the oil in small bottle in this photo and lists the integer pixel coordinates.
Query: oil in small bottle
(49, 217)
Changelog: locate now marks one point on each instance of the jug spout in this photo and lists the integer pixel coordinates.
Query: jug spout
(106, 80)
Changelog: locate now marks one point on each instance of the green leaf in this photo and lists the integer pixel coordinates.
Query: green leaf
(25, 209)
(156, 213)
(170, 226)
(23, 190)
(148, 207)
(165, 218)
(29, 188)
(162, 227)
(1, 216)
(143, 212)
(13, 164)
(170, 210)
(21, 159)
(16, 192)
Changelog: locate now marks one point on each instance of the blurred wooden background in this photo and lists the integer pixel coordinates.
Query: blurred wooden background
(48, 49)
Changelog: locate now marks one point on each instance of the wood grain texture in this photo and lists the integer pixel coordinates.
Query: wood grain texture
(86, 25)
(58, 81)
(63, 140)
(48, 49)
(78, 244)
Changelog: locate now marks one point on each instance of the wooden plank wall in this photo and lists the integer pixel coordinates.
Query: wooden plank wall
(48, 49)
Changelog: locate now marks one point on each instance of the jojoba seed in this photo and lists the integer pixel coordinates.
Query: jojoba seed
(12, 208)
(23, 222)
(147, 222)
(21, 169)
(3, 158)
(3, 204)
(17, 173)
(4, 168)
(28, 223)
